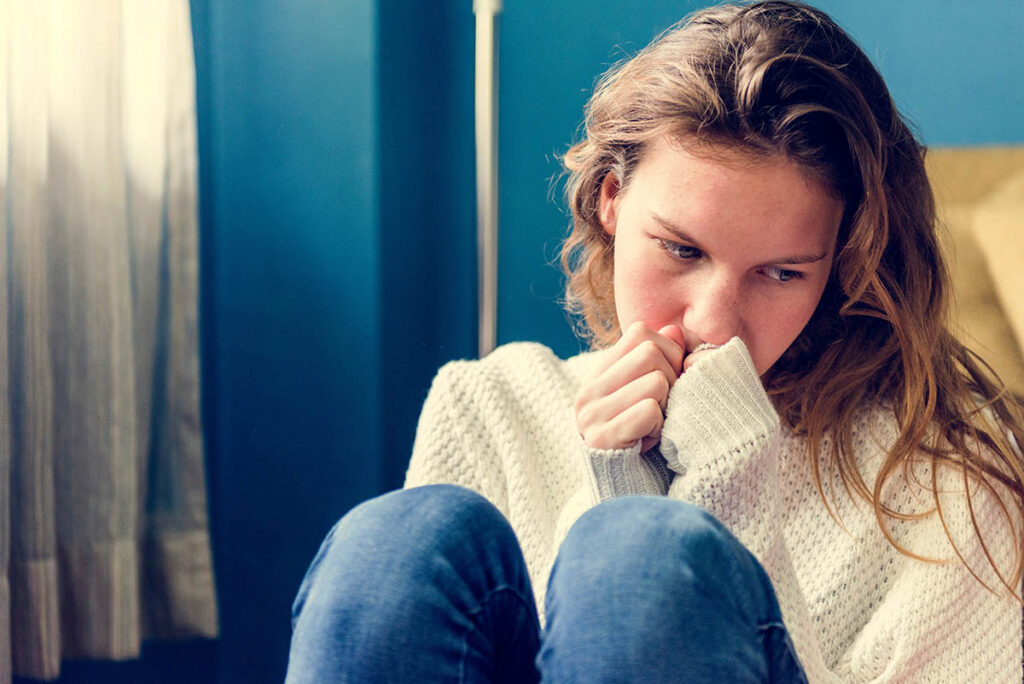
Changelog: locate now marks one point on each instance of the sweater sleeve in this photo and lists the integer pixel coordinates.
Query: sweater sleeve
(721, 438)
(618, 472)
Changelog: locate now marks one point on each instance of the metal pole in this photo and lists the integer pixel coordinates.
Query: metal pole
(486, 12)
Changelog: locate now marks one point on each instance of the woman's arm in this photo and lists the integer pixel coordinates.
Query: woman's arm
(452, 439)
(934, 623)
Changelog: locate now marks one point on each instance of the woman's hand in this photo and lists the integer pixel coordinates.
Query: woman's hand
(691, 357)
(624, 400)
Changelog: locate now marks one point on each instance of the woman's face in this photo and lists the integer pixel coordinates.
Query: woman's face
(722, 247)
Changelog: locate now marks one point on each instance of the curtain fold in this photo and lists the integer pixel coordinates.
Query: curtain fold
(101, 454)
(5, 412)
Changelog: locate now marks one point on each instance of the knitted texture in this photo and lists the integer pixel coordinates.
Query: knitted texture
(856, 608)
(615, 472)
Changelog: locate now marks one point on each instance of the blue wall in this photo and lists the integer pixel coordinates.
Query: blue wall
(290, 261)
(957, 68)
(327, 147)
(337, 213)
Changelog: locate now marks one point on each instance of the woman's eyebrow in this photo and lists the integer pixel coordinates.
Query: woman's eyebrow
(787, 261)
(799, 259)
(675, 230)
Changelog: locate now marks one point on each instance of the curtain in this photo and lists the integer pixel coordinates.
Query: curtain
(104, 535)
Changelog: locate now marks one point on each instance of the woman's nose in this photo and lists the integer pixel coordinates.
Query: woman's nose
(713, 312)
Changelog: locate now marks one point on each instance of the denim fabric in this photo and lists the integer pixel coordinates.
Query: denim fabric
(430, 585)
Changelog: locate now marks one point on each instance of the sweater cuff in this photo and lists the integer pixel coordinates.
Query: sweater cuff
(717, 407)
(620, 472)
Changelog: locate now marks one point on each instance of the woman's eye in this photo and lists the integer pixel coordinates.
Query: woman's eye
(680, 251)
(783, 275)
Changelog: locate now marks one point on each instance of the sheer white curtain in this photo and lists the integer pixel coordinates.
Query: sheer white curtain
(103, 525)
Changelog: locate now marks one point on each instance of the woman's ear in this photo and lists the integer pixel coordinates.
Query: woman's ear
(608, 203)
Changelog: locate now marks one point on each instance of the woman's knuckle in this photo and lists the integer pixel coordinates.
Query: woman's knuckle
(661, 384)
(584, 415)
(654, 383)
(651, 407)
(597, 437)
(633, 333)
(580, 401)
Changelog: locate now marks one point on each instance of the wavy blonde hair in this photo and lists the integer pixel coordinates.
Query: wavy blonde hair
(781, 78)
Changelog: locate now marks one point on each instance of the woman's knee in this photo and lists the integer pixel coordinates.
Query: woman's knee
(634, 523)
(410, 522)
(636, 572)
(422, 511)
(425, 566)
(397, 539)
(625, 534)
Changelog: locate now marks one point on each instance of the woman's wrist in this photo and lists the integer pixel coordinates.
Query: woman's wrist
(621, 472)
(717, 406)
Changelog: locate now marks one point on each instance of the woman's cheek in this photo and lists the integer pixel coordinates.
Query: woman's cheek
(631, 288)
(654, 301)
(777, 329)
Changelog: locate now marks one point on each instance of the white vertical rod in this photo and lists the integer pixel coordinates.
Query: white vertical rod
(486, 12)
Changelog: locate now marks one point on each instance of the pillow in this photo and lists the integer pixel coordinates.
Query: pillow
(998, 229)
(978, 195)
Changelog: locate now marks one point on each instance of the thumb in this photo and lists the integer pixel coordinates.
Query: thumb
(674, 333)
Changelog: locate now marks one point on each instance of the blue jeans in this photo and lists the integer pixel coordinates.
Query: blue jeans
(430, 585)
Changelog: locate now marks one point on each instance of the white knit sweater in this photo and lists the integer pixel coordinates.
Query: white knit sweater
(856, 609)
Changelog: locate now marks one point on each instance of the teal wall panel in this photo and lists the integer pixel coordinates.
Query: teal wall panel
(955, 68)
(427, 217)
(338, 272)
(291, 298)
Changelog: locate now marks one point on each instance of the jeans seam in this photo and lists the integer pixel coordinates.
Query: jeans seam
(476, 611)
(307, 580)
(768, 625)
(788, 642)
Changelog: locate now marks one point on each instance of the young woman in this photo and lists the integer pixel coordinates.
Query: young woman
(831, 487)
